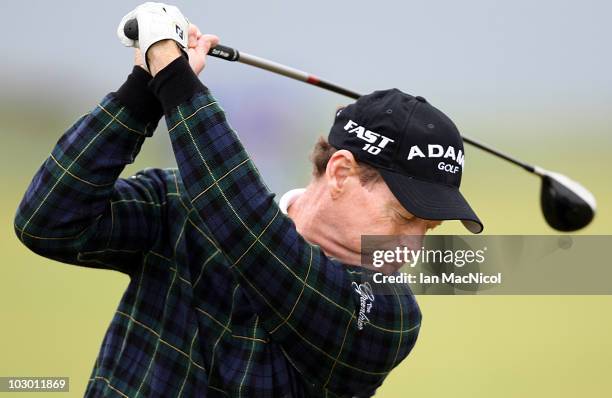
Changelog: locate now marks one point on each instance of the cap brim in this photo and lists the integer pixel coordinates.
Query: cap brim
(432, 201)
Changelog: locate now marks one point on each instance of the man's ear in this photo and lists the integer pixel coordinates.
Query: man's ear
(340, 166)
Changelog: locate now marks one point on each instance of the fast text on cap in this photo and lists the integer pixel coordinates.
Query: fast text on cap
(375, 142)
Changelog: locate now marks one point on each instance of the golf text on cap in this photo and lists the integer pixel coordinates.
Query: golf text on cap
(437, 151)
(374, 142)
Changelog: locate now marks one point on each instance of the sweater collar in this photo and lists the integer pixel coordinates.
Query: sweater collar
(289, 197)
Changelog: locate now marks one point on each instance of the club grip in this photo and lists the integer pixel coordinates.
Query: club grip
(130, 29)
(227, 53)
(224, 52)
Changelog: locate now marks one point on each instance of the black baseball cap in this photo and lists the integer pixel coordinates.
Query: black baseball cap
(416, 148)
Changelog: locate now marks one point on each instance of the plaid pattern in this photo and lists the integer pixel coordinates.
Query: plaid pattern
(225, 298)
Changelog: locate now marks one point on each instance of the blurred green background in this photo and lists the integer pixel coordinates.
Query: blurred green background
(532, 78)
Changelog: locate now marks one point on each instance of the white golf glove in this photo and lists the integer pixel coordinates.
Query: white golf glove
(156, 22)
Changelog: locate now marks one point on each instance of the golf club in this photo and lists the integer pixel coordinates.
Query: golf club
(567, 206)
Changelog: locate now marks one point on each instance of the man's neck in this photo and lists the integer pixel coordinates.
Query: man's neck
(309, 212)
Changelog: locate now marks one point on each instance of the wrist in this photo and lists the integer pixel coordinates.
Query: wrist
(136, 95)
(176, 84)
(161, 54)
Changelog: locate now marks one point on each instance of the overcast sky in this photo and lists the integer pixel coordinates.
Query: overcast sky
(480, 53)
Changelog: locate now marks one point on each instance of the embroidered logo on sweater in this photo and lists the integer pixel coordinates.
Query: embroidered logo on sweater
(366, 299)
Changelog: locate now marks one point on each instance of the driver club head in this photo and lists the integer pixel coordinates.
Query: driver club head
(567, 206)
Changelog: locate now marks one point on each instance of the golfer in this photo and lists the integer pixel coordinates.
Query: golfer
(230, 294)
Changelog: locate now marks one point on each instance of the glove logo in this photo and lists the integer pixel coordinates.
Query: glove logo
(179, 32)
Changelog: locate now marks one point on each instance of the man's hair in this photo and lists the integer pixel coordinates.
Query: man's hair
(323, 151)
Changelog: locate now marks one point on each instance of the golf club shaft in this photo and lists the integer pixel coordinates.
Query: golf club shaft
(231, 54)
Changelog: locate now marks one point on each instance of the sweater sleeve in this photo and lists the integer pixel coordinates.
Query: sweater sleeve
(76, 209)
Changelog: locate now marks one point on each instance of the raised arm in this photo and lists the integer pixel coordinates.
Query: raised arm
(306, 302)
(77, 210)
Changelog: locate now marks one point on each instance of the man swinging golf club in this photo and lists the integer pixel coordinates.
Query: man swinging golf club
(231, 294)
